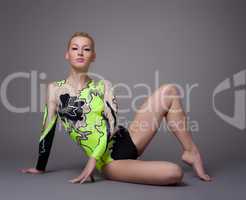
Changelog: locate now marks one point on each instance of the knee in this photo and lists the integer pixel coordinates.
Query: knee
(175, 174)
(170, 89)
(167, 94)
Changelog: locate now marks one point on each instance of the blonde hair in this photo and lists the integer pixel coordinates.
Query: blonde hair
(82, 34)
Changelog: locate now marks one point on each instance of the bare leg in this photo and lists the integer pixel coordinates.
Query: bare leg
(144, 172)
(165, 103)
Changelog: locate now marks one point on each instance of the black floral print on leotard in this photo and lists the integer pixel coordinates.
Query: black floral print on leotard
(73, 109)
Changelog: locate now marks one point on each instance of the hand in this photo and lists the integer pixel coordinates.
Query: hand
(32, 171)
(87, 171)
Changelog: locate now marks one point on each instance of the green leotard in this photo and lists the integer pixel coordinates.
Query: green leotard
(90, 119)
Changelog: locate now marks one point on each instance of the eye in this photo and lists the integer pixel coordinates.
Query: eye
(74, 48)
(87, 49)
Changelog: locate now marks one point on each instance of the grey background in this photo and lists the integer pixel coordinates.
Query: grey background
(186, 41)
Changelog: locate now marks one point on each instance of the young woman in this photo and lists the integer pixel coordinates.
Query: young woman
(88, 111)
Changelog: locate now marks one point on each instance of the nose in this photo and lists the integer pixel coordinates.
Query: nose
(80, 52)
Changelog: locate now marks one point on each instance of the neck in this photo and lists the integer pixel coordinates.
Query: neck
(77, 78)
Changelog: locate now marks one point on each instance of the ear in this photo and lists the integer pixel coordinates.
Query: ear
(94, 57)
(66, 55)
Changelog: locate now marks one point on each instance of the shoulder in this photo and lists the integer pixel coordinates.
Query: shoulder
(109, 93)
(53, 88)
(107, 85)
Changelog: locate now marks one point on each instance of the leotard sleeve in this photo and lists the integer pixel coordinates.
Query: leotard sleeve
(48, 129)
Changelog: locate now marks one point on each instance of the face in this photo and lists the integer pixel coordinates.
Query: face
(80, 53)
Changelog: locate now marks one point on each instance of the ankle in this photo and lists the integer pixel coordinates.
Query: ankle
(191, 148)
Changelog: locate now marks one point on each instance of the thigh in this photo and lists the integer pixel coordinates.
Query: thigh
(144, 172)
(148, 117)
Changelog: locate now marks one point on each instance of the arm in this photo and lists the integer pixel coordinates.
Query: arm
(48, 129)
(47, 133)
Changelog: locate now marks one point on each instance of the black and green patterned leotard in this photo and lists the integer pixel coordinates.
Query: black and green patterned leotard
(90, 119)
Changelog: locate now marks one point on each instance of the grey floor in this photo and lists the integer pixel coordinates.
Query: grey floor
(229, 183)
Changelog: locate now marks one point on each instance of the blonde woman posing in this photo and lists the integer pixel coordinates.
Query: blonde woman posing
(88, 111)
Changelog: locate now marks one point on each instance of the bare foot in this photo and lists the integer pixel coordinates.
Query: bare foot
(194, 159)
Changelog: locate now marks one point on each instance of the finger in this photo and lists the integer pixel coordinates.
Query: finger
(72, 180)
(76, 180)
(84, 179)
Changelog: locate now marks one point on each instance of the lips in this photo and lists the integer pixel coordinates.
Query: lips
(80, 60)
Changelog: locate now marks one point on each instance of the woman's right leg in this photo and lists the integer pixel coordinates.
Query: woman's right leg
(143, 172)
(165, 104)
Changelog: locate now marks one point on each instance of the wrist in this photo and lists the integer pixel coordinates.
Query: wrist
(39, 170)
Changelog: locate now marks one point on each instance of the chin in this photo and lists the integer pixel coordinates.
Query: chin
(81, 67)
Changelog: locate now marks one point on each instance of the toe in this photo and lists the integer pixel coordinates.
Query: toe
(206, 177)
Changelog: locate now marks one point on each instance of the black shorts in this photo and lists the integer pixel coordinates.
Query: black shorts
(123, 147)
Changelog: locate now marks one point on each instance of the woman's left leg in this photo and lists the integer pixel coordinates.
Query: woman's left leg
(143, 172)
(165, 103)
